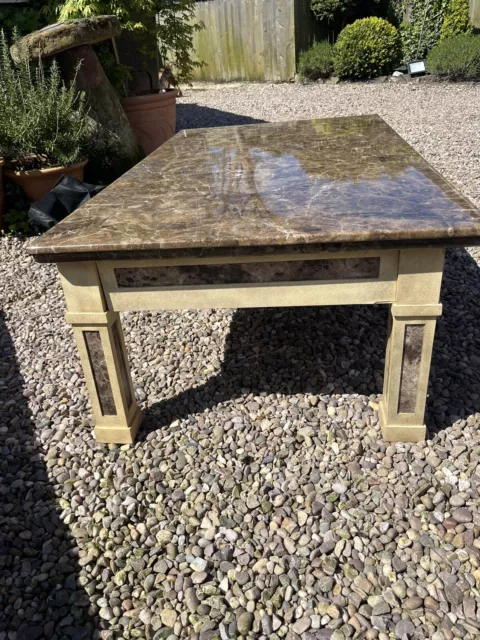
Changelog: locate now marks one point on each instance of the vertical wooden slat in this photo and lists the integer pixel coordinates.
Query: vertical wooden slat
(238, 51)
(268, 23)
(475, 12)
(261, 39)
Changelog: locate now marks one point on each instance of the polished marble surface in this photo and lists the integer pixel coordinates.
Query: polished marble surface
(96, 355)
(412, 355)
(249, 273)
(345, 182)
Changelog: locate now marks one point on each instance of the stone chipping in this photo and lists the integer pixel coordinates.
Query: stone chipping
(259, 500)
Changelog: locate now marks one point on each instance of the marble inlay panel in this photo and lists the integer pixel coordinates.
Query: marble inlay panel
(249, 272)
(310, 182)
(98, 364)
(412, 355)
(123, 366)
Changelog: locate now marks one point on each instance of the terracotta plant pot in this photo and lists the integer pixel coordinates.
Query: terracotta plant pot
(2, 194)
(37, 183)
(152, 117)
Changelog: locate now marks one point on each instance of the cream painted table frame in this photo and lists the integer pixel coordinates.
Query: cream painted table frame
(408, 280)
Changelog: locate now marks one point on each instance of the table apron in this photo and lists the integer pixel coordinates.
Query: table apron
(372, 280)
(409, 280)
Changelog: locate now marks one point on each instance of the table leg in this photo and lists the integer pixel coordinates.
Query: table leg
(104, 360)
(411, 333)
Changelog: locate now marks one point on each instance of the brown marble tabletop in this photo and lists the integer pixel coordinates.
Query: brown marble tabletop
(334, 183)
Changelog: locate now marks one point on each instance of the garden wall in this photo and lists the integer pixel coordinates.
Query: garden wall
(252, 39)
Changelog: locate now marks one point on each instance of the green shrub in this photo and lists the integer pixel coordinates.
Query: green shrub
(26, 17)
(424, 28)
(42, 122)
(316, 62)
(16, 223)
(329, 9)
(348, 10)
(457, 58)
(164, 25)
(457, 19)
(367, 48)
(118, 74)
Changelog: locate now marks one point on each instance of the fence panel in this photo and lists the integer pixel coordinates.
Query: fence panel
(475, 12)
(246, 40)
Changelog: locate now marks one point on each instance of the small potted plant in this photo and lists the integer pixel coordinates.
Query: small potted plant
(45, 130)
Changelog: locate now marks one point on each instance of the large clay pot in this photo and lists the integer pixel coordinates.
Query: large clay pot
(152, 117)
(37, 183)
(2, 194)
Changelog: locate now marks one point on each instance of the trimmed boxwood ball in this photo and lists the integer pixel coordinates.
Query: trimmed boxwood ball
(367, 48)
(456, 58)
(316, 62)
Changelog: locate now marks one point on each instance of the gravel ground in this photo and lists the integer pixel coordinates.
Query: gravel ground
(259, 500)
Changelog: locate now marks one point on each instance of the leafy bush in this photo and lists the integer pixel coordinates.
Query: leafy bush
(42, 122)
(25, 18)
(430, 21)
(316, 62)
(334, 15)
(457, 58)
(348, 10)
(367, 48)
(330, 9)
(117, 74)
(163, 23)
(15, 220)
(457, 19)
(424, 29)
(16, 223)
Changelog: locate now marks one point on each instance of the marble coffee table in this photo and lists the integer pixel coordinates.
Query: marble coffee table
(318, 212)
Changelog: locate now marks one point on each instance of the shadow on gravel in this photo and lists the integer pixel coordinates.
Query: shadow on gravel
(455, 374)
(39, 597)
(317, 350)
(194, 116)
(336, 350)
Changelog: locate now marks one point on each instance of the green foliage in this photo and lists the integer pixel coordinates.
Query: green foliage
(430, 21)
(397, 10)
(16, 222)
(457, 20)
(330, 9)
(334, 15)
(316, 62)
(348, 10)
(42, 122)
(26, 18)
(457, 58)
(118, 74)
(423, 31)
(367, 48)
(170, 24)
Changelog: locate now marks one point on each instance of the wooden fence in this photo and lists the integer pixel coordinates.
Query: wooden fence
(259, 39)
(475, 12)
(252, 39)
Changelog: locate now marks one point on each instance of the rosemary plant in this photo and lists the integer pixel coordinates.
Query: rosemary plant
(43, 123)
